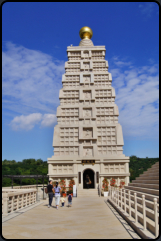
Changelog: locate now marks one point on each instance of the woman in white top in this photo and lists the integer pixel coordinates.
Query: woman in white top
(57, 194)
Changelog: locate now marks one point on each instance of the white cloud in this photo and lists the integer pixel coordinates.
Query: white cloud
(29, 121)
(31, 80)
(122, 63)
(147, 8)
(25, 122)
(48, 120)
(137, 91)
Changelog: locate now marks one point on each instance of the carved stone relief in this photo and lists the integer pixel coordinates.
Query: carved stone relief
(86, 65)
(87, 94)
(87, 151)
(87, 112)
(87, 133)
(86, 79)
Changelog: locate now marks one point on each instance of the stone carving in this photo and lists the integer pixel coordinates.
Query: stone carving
(88, 152)
(87, 95)
(86, 79)
(87, 133)
(87, 113)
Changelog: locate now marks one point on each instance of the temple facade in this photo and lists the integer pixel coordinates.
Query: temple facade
(88, 138)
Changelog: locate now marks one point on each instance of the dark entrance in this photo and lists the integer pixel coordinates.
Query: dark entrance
(91, 175)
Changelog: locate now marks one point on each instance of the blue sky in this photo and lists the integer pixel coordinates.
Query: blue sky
(35, 37)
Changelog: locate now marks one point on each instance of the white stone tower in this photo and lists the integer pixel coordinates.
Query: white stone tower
(88, 138)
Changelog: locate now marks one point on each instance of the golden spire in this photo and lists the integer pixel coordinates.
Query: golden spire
(85, 33)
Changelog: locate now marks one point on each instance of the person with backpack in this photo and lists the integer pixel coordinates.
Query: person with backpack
(50, 193)
(57, 194)
(69, 200)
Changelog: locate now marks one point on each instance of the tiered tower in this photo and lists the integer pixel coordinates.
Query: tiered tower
(88, 138)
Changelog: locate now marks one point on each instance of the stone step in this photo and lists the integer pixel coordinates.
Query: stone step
(81, 195)
(145, 185)
(157, 163)
(152, 171)
(147, 178)
(87, 192)
(144, 190)
(146, 181)
(149, 174)
(154, 168)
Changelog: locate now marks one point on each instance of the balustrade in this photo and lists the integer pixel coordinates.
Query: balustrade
(156, 217)
(129, 204)
(13, 201)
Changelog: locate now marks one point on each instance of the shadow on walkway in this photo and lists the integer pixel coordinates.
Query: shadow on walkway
(128, 228)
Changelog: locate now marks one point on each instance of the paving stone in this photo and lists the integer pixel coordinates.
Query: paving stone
(96, 221)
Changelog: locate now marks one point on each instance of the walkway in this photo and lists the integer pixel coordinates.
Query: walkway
(88, 218)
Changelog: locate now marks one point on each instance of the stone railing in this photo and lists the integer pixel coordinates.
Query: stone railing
(15, 200)
(25, 186)
(39, 187)
(129, 206)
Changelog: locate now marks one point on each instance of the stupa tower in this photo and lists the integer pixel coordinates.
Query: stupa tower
(88, 138)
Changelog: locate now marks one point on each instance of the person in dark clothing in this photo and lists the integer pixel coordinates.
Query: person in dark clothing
(50, 193)
(87, 181)
(69, 200)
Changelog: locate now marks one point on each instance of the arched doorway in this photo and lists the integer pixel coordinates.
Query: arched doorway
(91, 175)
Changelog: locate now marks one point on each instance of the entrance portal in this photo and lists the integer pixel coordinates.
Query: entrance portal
(91, 175)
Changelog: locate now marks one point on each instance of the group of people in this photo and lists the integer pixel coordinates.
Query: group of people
(57, 191)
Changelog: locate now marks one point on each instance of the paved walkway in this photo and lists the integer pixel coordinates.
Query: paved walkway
(88, 218)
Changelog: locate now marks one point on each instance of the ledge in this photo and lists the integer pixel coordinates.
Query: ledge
(115, 174)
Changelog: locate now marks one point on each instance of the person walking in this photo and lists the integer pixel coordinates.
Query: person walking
(50, 193)
(57, 194)
(69, 200)
(62, 200)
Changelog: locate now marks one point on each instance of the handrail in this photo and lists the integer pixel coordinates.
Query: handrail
(13, 201)
(119, 197)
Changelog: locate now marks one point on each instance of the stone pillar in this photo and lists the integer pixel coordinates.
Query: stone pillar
(5, 203)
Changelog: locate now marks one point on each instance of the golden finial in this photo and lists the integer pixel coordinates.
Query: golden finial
(86, 33)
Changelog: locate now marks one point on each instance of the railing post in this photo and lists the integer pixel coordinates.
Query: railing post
(118, 197)
(5, 203)
(144, 212)
(43, 187)
(156, 217)
(20, 182)
(37, 188)
(12, 182)
(135, 204)
(121, 197)
(125, 200)
(129, 204)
